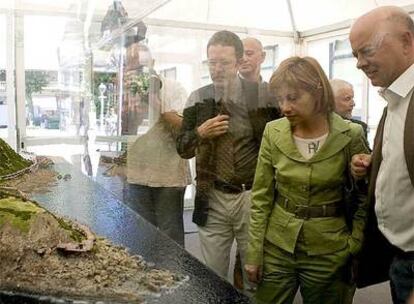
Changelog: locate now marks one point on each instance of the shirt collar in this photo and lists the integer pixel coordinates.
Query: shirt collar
(260, 78)
(236, 91)
(402, 86)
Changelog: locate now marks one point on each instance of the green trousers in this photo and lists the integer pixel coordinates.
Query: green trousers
(319, 278)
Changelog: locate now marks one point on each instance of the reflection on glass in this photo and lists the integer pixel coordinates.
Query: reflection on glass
(222, 128)
(156, 176)
(3, 80)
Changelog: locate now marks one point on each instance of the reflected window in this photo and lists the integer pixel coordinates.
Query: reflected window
(170, 73)
(271, 57)
(342, 65)
(269, 64)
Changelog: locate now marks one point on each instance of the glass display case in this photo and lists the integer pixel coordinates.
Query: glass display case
(95, 81)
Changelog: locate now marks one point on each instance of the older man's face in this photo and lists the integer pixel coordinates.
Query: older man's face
(379, 52)
(344, 102)
(252, 59)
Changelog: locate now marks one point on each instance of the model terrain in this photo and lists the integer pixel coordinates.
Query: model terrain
(44, 254)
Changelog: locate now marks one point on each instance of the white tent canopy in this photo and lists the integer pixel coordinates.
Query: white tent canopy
(283, 16)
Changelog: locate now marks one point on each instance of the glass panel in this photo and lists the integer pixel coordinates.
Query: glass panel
(71, 95)
(48, 106)
(103, 86)
(4, 119)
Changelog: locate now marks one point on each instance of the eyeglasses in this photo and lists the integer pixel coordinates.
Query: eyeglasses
(222, 63)
(290, 98)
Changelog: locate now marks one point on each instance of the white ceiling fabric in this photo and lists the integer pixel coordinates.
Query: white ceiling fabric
(250, 14)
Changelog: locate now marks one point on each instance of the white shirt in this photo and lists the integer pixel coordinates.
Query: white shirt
(394, 192)
(172, 99)
(309, 146)
(152, 159)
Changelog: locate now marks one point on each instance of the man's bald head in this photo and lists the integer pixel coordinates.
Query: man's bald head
(253, 42)
(394, 15)
(382, 41)
(252, 59)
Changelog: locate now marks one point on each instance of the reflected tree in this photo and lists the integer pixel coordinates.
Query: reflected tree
(106, 78)
(36, 81)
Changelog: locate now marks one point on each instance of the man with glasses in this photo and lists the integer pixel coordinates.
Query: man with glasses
(222, 127)
(383, 44)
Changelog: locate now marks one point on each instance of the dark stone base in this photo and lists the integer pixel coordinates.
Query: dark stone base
(85, 201)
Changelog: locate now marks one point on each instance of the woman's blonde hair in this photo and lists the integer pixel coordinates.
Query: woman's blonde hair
(305, 73)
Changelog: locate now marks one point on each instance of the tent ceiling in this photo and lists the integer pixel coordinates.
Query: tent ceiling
(250, 15)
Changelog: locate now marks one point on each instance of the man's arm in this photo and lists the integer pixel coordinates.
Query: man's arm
(187, 139)
(190, 134)
(172, 119)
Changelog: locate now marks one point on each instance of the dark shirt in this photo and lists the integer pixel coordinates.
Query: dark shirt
(245, 148)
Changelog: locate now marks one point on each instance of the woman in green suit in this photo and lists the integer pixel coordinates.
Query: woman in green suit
(298, 236)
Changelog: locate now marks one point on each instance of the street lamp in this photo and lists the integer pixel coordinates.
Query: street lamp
(102, 90)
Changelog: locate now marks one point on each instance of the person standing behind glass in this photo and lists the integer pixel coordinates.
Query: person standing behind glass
(253, 57)
(344, 101)
(222, 128)
(156, 174)
(298, 237)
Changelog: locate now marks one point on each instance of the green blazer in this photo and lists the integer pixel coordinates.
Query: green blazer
(282, 171)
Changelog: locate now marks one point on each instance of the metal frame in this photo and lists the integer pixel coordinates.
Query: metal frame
(10, 81)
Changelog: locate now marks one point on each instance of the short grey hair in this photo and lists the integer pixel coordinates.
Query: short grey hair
(338, 84)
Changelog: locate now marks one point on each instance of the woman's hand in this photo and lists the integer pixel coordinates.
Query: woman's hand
(254, 272)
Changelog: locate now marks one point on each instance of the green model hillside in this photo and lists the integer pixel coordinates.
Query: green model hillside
(10, 161)
(20, 214)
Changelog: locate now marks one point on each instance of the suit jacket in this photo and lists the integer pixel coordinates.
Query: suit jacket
(190, 145)
(363, 125)
(284, 174)
(377, 253)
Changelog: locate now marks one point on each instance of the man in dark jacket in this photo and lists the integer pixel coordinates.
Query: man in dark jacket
(383, 43)
(222, 127)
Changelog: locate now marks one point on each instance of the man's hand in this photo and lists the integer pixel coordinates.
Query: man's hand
(214, 127)
(254, 273)
(360, 164)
